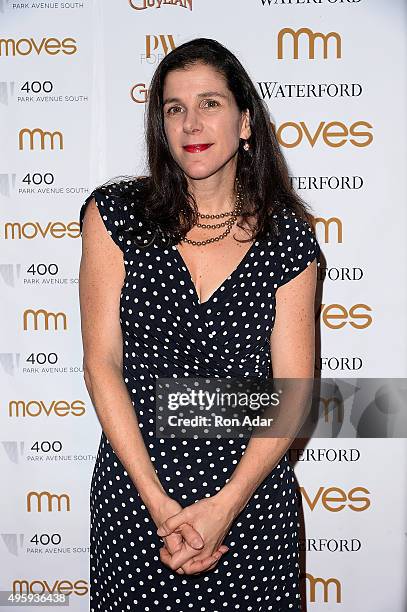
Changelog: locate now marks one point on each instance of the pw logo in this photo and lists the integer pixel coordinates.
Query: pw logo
(158, 46)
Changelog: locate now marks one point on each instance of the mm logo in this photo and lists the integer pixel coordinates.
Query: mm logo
(337, 225)
(47, 498)
(333, 406)
(41, 319)
(43, 138)
(313, 581)
(163, 43)
(310, 38)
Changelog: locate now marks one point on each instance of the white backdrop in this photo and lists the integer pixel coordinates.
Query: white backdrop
(80, 71)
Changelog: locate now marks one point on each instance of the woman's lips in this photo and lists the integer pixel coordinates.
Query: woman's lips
(197, 148)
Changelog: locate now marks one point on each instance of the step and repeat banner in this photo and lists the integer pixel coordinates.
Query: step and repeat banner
(74, 80)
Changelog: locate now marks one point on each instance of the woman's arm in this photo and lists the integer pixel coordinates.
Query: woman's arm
(101, 278)
(293, 353)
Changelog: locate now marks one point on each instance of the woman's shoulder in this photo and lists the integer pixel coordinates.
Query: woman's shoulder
(120, 204)
(123, 190)
(291, 225)
(296, 244)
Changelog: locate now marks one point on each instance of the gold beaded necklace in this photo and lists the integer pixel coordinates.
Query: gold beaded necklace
(234, 215)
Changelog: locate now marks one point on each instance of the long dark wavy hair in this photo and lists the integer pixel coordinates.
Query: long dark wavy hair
(262, 171)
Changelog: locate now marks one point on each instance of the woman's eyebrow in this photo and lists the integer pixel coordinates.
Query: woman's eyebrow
(204, 94)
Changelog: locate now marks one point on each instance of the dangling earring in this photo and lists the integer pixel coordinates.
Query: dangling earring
(246, 146)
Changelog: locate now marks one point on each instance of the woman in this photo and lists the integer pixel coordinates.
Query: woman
(203, 524)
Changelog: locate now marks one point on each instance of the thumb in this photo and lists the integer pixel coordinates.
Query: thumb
(171, 523)
(192, 536)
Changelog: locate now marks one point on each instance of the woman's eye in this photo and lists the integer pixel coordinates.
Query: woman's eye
(171, 109)
(212, 102)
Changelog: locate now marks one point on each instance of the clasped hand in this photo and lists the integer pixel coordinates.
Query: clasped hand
(193, 536)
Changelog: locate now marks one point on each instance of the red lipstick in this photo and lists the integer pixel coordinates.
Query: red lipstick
(197, 148)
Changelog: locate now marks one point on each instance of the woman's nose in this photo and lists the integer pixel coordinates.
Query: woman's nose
(192, 121)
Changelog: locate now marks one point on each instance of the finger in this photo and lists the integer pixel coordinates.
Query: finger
(207, 569)
(175, 562)
(166, 558)
(171, 523)
(173, 542)
(187, 567)
(201, 566)
(210, 567)
(181, 557)
(192, 536)
(221, 551)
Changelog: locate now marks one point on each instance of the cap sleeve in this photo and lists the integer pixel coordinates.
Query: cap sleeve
(297, 246)
(110, 209)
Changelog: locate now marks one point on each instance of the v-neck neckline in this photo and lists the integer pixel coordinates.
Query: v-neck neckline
(223, 284)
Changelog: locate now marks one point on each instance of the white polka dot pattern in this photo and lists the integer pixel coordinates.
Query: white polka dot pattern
(167, 332)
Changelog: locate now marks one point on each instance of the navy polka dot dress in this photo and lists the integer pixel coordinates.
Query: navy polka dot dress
(167, 332)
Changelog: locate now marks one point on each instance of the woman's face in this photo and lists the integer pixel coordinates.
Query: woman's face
(199, 109)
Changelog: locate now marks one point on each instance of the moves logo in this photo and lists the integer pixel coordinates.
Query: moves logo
(79, 587)
(36, 408)
(310, 39)
(47, 498)
(141, 5)
(14, 230)
(336, 316)
(332, 134)
(43, 138)
(10, 47)
(335, 499)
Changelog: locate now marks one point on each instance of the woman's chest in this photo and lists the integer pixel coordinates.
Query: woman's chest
(159, 293)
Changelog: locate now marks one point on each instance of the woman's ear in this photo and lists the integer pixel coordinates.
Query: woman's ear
(245, 131)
